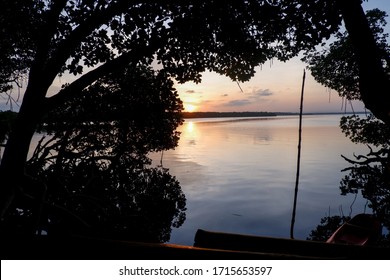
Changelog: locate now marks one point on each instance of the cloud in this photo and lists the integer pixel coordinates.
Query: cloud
(257, 95)
(238, 102)
(262, 92)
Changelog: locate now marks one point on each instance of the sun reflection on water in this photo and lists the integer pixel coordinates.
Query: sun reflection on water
(190, 127)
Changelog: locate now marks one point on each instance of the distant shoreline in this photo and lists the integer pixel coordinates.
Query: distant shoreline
(191, 115)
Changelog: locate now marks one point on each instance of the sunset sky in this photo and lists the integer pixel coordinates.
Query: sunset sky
(276, 87)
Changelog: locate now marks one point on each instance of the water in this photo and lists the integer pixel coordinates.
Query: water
(239, 175)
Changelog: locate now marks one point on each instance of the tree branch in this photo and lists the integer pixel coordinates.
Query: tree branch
(41, 56)
(87, 79)
(94, 21)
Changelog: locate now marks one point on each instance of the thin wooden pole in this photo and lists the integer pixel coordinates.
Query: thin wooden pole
(298, 158)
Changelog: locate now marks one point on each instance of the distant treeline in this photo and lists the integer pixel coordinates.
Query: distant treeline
(188, 115)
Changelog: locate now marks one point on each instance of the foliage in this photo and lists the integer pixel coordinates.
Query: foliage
(327, 227)
(233, 37)
(19, 21)
(330, 224)
(113, 198)
(336, 66)
(369, 173)
(368, 130)
(97, 41)
(140, 100)
(184, 37)
(93, 172)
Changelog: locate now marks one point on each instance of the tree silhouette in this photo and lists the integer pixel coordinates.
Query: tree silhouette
(95, 39)
(327, 227)
(20, 23)
(369, 173)
(93, 173)
(337, 68)
(374, 82)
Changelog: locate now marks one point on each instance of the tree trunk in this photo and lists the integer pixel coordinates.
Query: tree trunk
(373, 81)
(12, 169)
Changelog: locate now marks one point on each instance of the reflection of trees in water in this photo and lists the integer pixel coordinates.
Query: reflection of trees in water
(91, 174)
(368, 174)
(327, 227)
(114, 197)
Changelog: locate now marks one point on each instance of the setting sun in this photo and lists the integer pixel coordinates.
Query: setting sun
(189, 107)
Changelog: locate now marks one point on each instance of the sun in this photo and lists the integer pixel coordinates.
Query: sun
(189, 107)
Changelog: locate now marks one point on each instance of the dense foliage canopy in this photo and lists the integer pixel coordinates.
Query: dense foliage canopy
(94, 40)
(336, 65)
(117, 108)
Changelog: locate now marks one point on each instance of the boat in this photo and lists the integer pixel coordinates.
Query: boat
(208, 245)
(304, 249)
(358, 233)
(362, 230)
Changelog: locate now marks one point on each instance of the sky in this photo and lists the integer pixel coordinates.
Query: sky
(276, 87)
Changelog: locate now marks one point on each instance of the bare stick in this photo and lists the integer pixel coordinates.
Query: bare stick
(299, 159)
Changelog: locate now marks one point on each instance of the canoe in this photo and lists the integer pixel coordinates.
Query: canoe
(362, 230)
(207, 245)
(304, 249)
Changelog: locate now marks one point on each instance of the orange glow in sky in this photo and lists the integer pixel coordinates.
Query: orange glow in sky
(276, 87)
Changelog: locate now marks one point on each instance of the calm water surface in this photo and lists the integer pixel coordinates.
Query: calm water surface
(239, 175)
